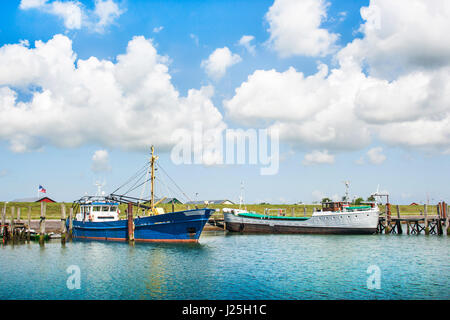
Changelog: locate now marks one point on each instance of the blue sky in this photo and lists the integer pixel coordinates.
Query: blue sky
(186, 33)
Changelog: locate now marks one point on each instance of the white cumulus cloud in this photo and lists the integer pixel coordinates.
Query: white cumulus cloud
(100, 161)
(318, 157)
(376, 155)
(294, 28)
(392, 83)
(245, 41)
(130, 104)
(75, 15)
(219, 61)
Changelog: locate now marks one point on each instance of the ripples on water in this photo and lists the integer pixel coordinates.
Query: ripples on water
(232, 267)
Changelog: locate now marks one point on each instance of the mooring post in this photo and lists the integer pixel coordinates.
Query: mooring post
(18, 214)
(173, 206)
(11, 225)
(130, 223)
(387, 229)
(304, 211)
(439, 224)
(4, 228)
(425, 213)
(42, 223)
(70, 223)
(407, 227)
(399, 222)
(63, 223)
(447, 222)
(29, 224)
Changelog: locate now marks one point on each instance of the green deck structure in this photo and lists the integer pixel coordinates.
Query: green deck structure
(263, 216)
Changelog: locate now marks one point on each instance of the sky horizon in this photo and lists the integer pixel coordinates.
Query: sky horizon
(357, 91)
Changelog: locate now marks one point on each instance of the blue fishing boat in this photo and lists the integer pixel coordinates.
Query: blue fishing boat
(98, 219)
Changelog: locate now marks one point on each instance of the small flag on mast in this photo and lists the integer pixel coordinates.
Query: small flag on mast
(41, 189)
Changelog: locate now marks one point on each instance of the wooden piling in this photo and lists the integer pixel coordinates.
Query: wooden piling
(42, 223)
(4, 228)
(304, 211)
(18, 214)
(399, 223)
(447, 221)
(439, 224)
(173, 206)
(11, 225)
(63, 223)
(29, 225)
(70, 223)
(387, 228)
(130, 223)
(425, 213)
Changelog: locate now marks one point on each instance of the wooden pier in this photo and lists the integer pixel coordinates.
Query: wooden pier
(414, 225)
(20, 231)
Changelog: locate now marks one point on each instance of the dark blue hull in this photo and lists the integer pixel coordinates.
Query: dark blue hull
(182, 226)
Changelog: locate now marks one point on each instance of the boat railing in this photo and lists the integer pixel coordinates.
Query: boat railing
(280, 211)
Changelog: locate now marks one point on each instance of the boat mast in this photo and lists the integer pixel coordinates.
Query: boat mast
(152, 162)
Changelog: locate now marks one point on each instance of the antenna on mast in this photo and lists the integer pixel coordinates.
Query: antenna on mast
(241, 197)
(152, 162)
(347, 185)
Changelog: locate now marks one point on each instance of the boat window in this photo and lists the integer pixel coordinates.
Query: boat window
(113, 208)
(96, 208)
(105, 208)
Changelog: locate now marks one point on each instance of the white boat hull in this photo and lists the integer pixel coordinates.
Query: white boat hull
(359, 222)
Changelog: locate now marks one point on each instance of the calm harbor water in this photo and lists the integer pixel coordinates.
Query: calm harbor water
(232, 267)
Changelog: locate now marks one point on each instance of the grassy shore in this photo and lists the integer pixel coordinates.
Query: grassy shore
(54, 209)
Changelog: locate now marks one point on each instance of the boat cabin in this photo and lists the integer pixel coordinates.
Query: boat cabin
(340, 206)
(98, 211)
(335, 206)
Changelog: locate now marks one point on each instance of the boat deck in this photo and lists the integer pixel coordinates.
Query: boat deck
(263, 216)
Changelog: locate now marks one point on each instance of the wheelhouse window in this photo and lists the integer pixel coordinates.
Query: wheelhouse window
(96, 208)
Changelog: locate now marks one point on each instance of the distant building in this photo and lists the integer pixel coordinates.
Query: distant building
(34, 199)
(414, 204)
(225, 201)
